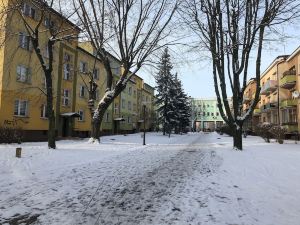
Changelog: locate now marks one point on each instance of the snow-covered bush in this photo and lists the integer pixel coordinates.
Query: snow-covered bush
(263, 130)
(10, 135)
(278, 132)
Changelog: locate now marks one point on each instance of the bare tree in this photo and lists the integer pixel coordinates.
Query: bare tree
(43, 25)
(130, 31)
(233, 31)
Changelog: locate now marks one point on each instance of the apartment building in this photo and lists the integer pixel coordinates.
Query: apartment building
(279, 96)
(22, 83)
(205, 115)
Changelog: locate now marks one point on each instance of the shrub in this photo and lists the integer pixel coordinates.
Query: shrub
(226, 130)
(10, 135)
(263, 130)
(279, 133)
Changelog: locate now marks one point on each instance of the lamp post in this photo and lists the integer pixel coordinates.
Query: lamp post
(144, 114)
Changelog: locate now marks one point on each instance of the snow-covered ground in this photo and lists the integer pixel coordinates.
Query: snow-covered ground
(186, 179)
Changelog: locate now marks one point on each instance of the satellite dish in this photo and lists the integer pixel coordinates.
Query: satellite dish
(295, 94)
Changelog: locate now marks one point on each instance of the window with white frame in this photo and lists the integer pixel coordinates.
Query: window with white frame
(81, 115)
(83, 68)
(24, 41)
(82, 91)
(96, 73)
(29, 11)
(123, 104)
(44, 113)
(21, 108)
(129, 105)
(23, 74)
(66, 97)
(67, 71)
(116, 109)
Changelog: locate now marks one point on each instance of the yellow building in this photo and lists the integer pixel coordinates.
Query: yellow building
(22, 83)
(279, 96)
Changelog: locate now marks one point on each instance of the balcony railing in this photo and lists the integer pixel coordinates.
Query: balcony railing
(269, 87)
(289, 103)
(288, 81)
(291, 128)
(289, 72)
(257, 111)
(269, 106)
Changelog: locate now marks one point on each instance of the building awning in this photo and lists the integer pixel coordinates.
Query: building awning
(70, 114)
(119, 119)
(141, 121)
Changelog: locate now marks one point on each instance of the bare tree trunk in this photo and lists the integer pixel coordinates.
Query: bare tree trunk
(238, 138)
(50, 111)
(103, 105)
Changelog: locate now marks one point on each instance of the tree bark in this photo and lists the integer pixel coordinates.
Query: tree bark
(51, 114)
(238, 139)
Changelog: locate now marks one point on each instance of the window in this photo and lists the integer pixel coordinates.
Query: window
(29, 11)
(129, 105)
(129, 119)
(218, 114)
(130, 90)
(134, 107)
(212, 114)
(49, 23)
(82, 91)
(134, 93)
(96, 73)
(116, 109)
(289, 115)
(83, 67)
(67, 57)
(107, 117)
(24, 41)
(203, 113)
(97, 95)
(81, 115)
(23, 74)
(123, 103)
(44, 113)
(66, 97)
(21, 108)
(67, 71)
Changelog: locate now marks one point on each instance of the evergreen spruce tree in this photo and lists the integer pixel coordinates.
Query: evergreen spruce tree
(182, 105)
(164, 81)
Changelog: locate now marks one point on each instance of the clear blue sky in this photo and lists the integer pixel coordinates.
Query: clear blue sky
(197, 76)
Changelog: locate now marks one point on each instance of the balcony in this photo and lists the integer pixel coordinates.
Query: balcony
(289, 103)
(288, 81)
(269, 106)
(246, 99)
(291, 128)
(269, 87)
(256, 112)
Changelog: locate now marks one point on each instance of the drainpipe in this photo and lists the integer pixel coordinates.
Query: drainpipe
(278, 93)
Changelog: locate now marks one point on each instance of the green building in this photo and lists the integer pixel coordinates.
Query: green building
(205, 115)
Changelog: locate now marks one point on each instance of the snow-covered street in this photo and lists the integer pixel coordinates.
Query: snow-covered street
(188, 179)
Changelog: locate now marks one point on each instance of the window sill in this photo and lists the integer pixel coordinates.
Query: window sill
(44, 118)
(20, 116)
(24, 82)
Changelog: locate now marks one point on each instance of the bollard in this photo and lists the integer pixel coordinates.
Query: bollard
(18, 152)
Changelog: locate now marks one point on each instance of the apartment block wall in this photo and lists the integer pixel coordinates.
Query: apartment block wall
(71, 55)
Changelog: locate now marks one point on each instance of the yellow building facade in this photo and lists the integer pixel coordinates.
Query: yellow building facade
(22, 84)
(279, 97)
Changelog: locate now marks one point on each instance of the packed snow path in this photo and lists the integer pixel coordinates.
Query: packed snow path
(182, 180)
